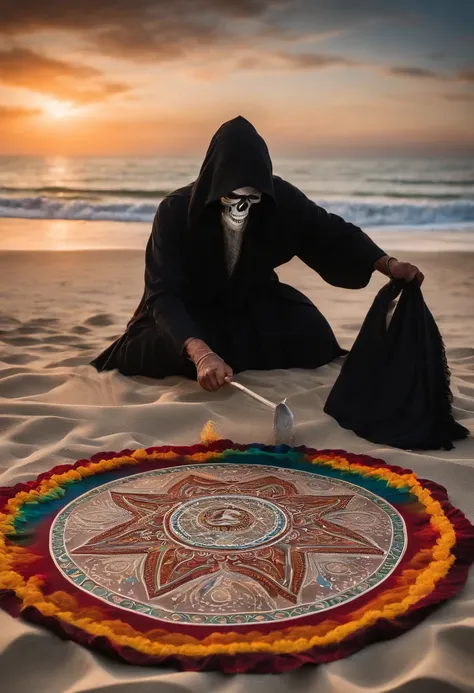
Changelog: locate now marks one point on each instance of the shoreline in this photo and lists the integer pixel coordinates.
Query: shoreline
(80, 235)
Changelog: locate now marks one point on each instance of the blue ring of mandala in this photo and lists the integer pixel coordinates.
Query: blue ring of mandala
(74, 574)
(279, 524)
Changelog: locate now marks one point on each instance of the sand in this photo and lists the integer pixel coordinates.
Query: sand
(61, 308)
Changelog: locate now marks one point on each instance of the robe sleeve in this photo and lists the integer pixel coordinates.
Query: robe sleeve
(339, 251)
(165, 276)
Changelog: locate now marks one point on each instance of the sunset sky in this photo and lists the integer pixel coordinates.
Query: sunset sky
(338, 77)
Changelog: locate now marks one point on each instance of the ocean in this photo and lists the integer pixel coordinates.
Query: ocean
(378, 193)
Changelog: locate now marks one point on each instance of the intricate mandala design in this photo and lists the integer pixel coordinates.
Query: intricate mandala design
(239, 558)
(193, 529)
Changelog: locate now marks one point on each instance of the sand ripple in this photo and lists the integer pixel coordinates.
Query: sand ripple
(54, 408)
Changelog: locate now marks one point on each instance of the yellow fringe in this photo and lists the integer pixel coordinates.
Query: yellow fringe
(63, 607)
(208, 433)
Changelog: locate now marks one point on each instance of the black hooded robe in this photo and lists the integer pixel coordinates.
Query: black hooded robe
(394, 386)
(251, 319)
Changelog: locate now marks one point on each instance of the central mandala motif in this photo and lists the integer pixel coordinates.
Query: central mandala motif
(227, 543)
(226, 522)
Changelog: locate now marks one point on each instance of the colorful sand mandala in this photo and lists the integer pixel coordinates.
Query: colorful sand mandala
(229, 557)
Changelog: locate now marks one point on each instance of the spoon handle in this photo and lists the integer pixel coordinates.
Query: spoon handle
(252, 394)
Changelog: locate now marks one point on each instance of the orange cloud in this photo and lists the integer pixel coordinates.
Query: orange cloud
(9, 113)
(142, 29)
(20, 67)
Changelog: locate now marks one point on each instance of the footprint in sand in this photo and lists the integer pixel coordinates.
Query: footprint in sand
(461, 352)
(46, 349)
(467, 390)
(457, 638)
(19, 359)
(60, 339)
(37, 654)
(13, 370)
(70, 361)
(8, 321)
(43, 430)
(100, 320)
(27, 329)
(28, 384)
(42, 322)
(350, 326)
(20, 341)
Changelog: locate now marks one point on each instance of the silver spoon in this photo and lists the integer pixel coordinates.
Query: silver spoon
(283, 418)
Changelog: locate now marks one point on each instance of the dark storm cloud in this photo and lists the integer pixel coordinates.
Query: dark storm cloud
(20, 67)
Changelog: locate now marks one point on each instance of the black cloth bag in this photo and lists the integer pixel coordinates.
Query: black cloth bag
(394, 386)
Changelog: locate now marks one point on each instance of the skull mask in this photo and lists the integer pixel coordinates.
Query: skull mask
(237, 206)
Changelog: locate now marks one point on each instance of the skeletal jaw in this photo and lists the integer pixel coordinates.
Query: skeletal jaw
(236, 216)
(233, 221)
(237, 206)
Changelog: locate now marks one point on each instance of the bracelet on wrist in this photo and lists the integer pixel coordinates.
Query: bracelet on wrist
(202, 358)
(387, 267)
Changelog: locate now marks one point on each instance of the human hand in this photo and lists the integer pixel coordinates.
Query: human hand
(405, 270)
(212, 372)
(394, 269)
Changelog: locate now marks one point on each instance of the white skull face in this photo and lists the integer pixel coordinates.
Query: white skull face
(237, 205)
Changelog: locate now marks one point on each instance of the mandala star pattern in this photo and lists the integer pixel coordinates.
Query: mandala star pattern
(279, 565)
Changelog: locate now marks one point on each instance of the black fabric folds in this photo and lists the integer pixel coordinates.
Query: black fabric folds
(250, 318)
(237, 157)
(394, 386)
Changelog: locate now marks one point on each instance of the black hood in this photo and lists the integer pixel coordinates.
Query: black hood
(237, 156)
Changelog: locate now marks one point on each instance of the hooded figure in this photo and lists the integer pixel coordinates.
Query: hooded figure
(210, 281)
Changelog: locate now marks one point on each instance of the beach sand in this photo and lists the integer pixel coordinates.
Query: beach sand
(61, 308)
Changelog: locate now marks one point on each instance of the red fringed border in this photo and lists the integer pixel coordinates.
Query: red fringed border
(383, 629)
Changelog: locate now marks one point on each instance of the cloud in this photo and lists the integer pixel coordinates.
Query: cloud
(142, 29)
(31, 15)
(313, 61)
(16, 112)
(20, 67)
(156, 30)
(466, 75)
(214, 35)
(458, 97)
(415, 72)
(282, 60)
(287, 61)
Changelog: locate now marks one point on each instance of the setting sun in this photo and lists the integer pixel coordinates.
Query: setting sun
(59, 109)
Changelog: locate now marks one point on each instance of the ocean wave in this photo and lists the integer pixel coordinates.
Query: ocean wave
(413, 196)
(427, 181)
(89, 192)
(47, 208)
(366, 214)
